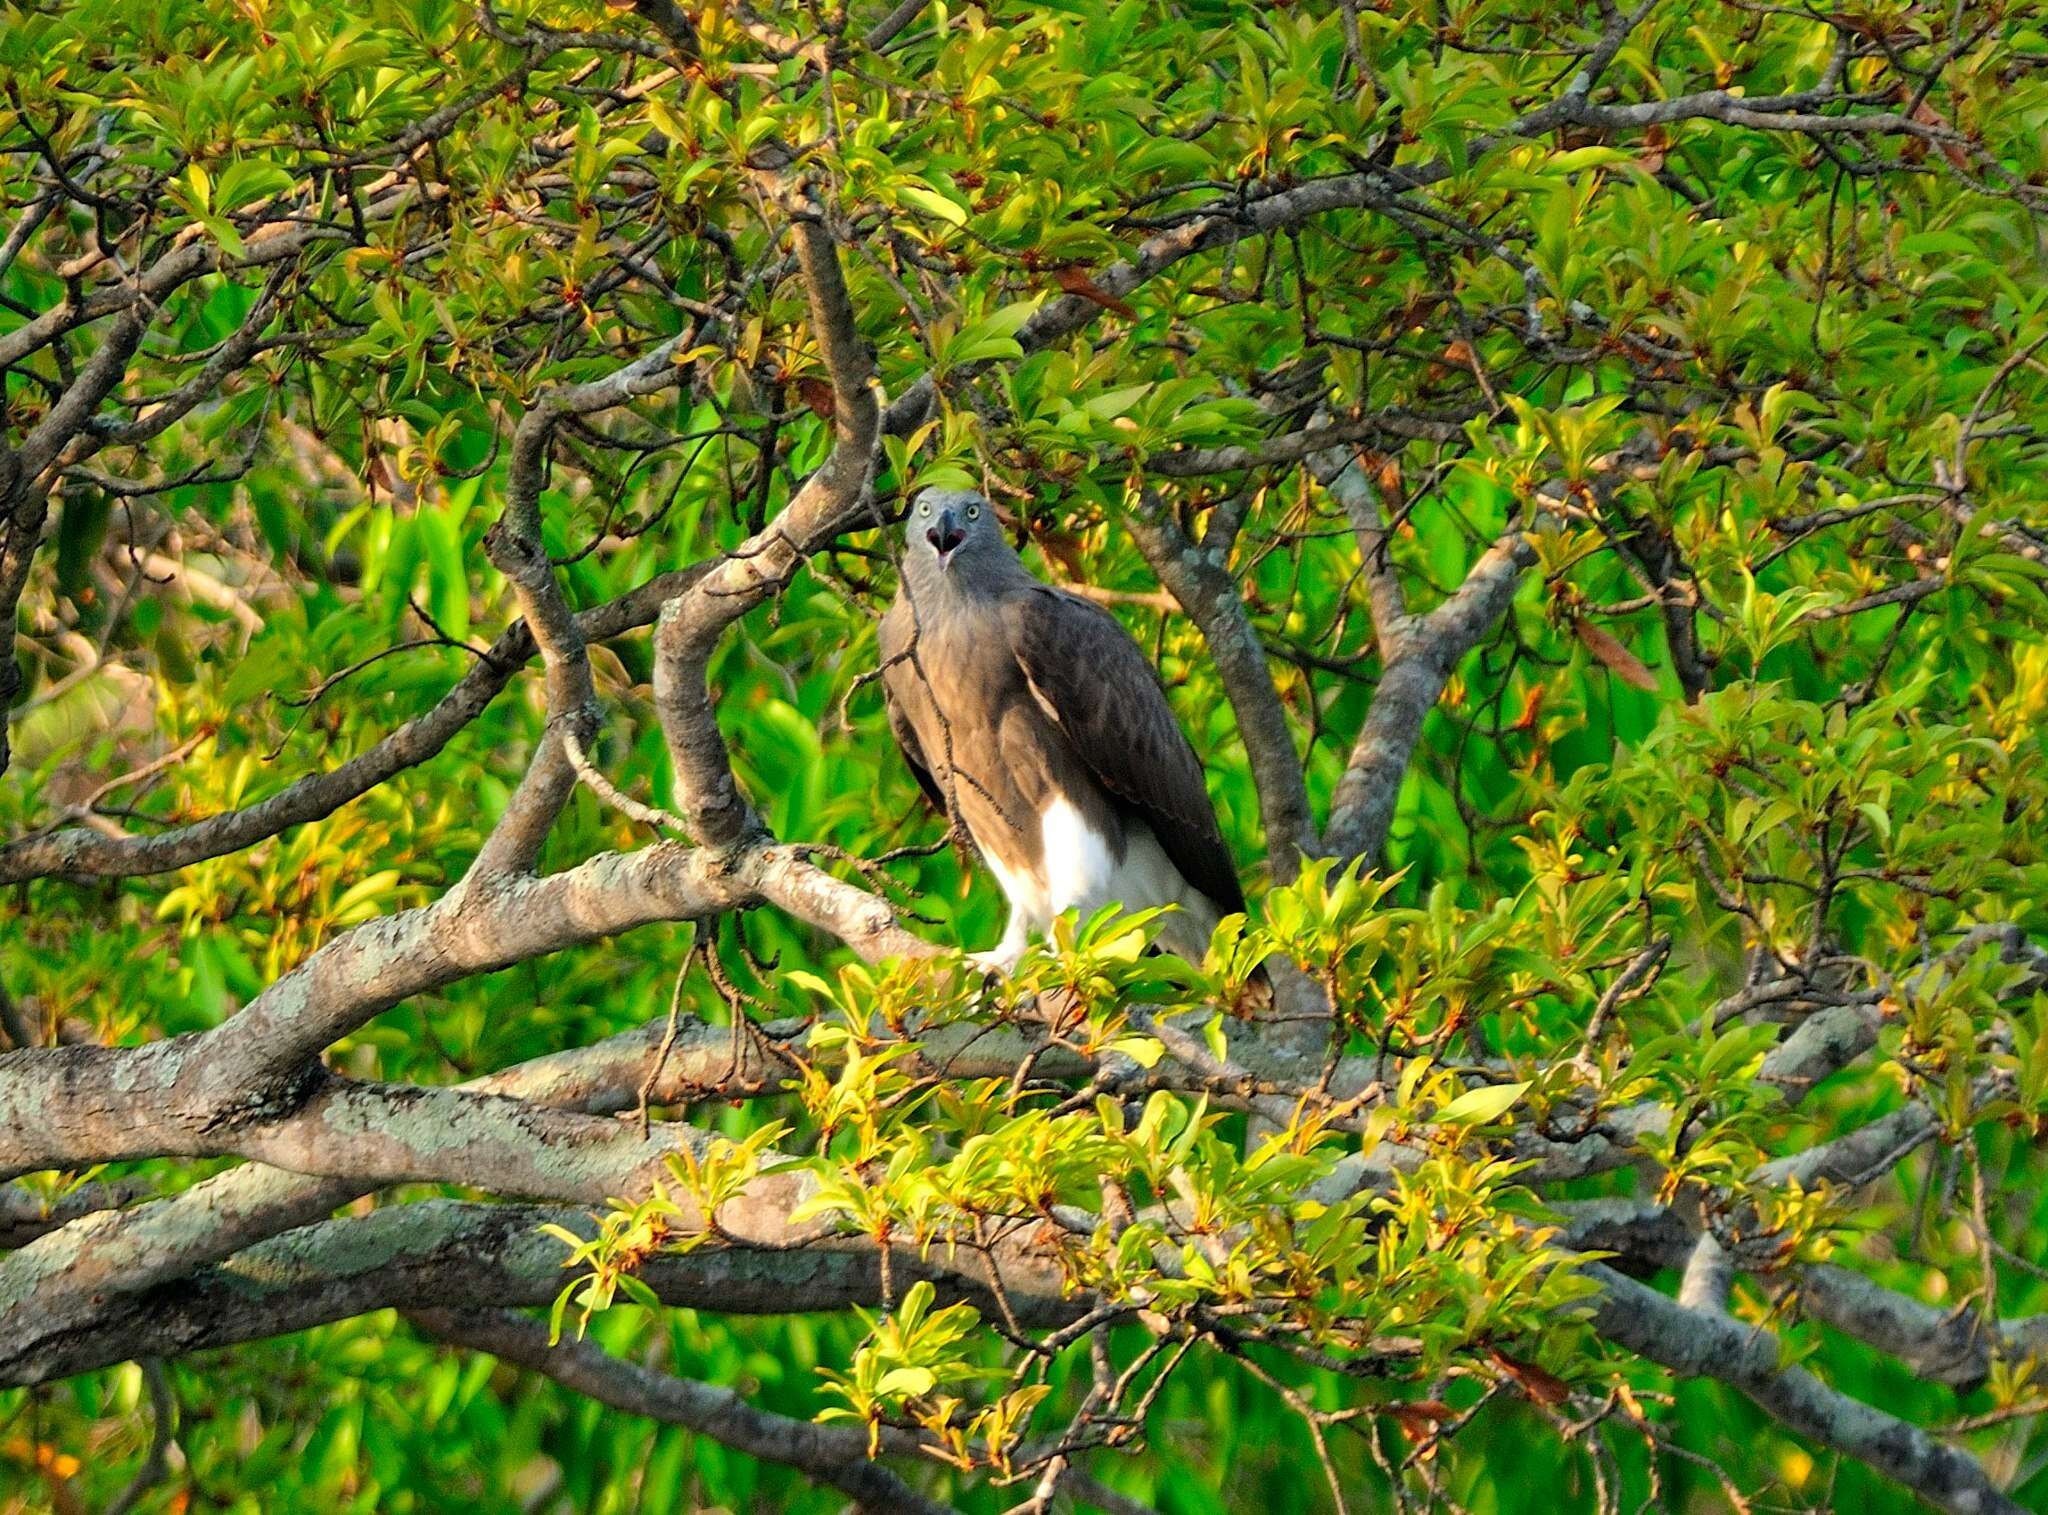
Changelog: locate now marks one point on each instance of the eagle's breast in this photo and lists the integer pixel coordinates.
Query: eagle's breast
(1039, 719)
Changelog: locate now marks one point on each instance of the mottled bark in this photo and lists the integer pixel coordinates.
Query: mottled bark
(1417, 656)
(1200, 581)
(1695, 1344)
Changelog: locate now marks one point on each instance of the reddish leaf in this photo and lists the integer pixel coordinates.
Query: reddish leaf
(1927, 115)
(1419, 1418)
(1065, 549)
(1458, 356)
(1624, 664)
(1075, 281)
(1656, 143)
(1386, 472)
(1540, 1384)
(817, 394)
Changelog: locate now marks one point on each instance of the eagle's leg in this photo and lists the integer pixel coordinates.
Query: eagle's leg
(1002, 958)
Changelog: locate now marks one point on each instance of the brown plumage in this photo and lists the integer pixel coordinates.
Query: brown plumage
(1046, 723)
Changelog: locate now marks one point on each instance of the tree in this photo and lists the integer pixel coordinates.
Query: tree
(1578, 470)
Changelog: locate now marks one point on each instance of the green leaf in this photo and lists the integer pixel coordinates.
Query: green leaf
(907, 1382)
(932, 203)
(1481, 1106)
(1145, 1051)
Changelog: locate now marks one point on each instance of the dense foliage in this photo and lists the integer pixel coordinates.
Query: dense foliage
(482, 985)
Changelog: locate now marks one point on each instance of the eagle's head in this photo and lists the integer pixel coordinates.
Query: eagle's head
(956, 530)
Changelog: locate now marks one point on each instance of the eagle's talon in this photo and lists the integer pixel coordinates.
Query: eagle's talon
(998, 963)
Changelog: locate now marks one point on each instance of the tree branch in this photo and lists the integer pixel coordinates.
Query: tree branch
(87, 853)
(827, 503)
(834, 1456)
(1199, 580)
(454, 1254)
(1418, 655)
(1693, 1344)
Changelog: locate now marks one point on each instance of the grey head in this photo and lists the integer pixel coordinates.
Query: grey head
(953, 545)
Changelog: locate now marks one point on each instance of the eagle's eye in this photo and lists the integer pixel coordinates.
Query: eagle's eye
(973, 512)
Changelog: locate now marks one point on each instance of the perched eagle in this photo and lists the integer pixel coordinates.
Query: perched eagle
(1046, 723)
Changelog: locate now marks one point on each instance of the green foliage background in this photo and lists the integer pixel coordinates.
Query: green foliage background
(1831, 337)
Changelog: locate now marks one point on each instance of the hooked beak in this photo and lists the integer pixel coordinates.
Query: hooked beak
(945, 535)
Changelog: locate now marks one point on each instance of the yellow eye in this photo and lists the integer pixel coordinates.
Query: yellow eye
(924, 510)
(973, 511)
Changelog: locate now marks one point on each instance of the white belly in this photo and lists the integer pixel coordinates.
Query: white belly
(1082, 873)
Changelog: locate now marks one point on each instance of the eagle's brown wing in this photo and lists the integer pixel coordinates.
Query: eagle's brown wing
(913, 754)
(894, 642)
(1100, 691)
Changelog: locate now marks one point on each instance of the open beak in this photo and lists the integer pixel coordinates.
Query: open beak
(945, 534)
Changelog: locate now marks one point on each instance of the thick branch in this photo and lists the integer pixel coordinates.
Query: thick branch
(1418, 656)
(1695, 1344)
(1199, 579)
(70, 1105)
(450, 1254)
(516, 546)
(828, 502)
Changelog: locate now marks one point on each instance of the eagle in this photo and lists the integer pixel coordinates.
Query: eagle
(1044, 722)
